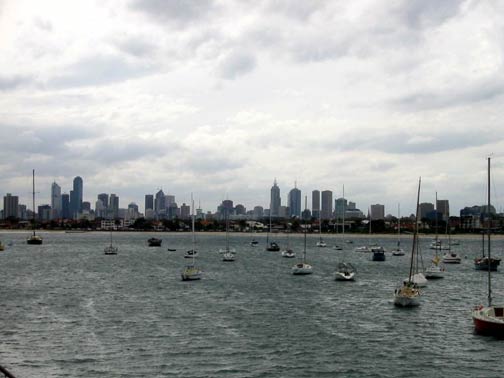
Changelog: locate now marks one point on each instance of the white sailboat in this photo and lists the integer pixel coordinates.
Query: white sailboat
(303, 267)
(489, 320)
(321, 243)
(228, 254)
(408, 294)
(110, 249)
(436, 269)
(398, 251)
(191, 272)
(271, 246)
(288, 252)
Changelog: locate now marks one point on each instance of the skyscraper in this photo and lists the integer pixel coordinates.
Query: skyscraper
(65, 206)
(76, 197)
(159, 203)
(149, 202)
(443, 207)
(55, 201)
(315, 203)
(113, 206)
(327, 201)
(377, 212)
(340, 206)
(10, 206)
(294, 202)
(275, 200)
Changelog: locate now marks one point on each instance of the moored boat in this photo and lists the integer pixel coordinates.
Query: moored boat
(154, 242)
(345, 272)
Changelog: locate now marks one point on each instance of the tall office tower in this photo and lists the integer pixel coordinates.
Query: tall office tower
(132, 211)
(76, 197)
(443, 207)
(377, 212)
(424, 209)
(294, 202)
(100, 209)
(44, 212)
(240, 209)
(315, 200)
(10, 206)
(149, 202)
(104, 198)
(159, 203)
(113, 206)
(65, 206)
(275, 200)
(327, 201)
(55, 201)
(340, 207)
(185, 211)
(169, 199)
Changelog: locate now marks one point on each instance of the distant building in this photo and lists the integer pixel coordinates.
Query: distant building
(443, 207)
(149, 203)
(240, 210)
(56, 203)
(132, 212)
(424, 209)
(76, 197)
(377, 212)
(113, 207)
(185, 211)
(44, 213)
(340, 206)
(65, 206)
(159, 204)
(10, 206)
(315, 203)
(258, 212)
(294, 202)
(275, 200)
(327, 201)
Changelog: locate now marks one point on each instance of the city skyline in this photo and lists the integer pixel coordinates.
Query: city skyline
(370, 95)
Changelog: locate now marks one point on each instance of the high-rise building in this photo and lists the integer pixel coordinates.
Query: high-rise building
(258, 212)
(65, 206)
(86, 207)
(10, 206)
(44, 213)
(240, 210)
(113, 207)
(340, 207)
(76, 197)
(100, 209)
(56, 201)
(425, 208)
(294, 202)
(104, 198)
(149, 202)
(132, 212)
(327, 201)
(159, 203)
(377, 212)
(185, 211)
(443, 207)
(315, 203)
(275, 200)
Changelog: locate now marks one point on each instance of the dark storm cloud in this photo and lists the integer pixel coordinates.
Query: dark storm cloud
(175, 12)
(98, 70)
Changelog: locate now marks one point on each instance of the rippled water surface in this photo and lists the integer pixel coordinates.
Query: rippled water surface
(68, 310)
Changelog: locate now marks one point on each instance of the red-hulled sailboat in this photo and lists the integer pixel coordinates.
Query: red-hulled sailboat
(489, 320)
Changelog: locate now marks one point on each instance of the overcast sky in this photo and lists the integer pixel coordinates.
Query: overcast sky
(220, 97)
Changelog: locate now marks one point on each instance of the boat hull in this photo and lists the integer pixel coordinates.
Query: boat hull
(451, 258)
(482, 264)
(34, 240)
(302, 269)
(406, 301)
(378, 256)
(344, 276)
(489, 320)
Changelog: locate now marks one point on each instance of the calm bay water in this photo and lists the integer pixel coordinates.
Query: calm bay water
(70, 311)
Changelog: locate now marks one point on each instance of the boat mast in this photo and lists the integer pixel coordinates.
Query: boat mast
(227, 230)
(415, 235)
(488, 238)
(344, 210)
(33, 199)
(398, 225)
(304, 249)
(192, 226)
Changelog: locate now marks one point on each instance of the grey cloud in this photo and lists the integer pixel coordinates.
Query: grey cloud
(477, 92)
(135, 45)
(418, 14)
(175, 12)
(14, 82)
(98, 70)
(209, 165)
(236, 64)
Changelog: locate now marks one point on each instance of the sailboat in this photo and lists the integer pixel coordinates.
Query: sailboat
(408, 294)
(288, 252)
(345, 272)
(338, 247)
(489, 319)
(271, 246)
(436, 269)
(253, 242)
(228, 254)
(110, 249)
(484, 262)
(365, 248)
(321, 243)
(191, 272)
(398, 251)
(303, 267)
(34, 239)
